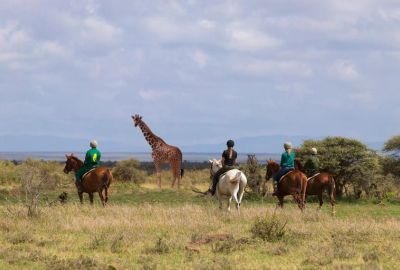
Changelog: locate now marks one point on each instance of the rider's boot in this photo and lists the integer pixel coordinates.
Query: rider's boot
(79, 186)
(275, 186)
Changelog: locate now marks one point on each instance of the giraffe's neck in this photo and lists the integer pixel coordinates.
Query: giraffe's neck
(150, 137)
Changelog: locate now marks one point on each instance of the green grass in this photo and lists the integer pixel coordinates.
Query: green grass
(144, 228)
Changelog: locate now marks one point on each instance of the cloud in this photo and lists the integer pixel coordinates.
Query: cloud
(257, 67)
(247, 39)
(200, 58)
(98, 30)
(152, 94)
(344, 69)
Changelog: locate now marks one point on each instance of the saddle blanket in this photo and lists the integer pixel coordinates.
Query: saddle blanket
(315, 175)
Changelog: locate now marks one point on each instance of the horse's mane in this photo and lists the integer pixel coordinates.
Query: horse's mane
(76, 159)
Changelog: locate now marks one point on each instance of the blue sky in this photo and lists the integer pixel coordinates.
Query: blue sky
(199, 71)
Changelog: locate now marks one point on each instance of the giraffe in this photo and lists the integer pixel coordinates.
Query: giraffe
(161, 152)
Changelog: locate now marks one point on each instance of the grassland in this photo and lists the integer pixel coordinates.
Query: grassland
(143, 228)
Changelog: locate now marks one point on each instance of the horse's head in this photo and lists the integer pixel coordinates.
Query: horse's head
(298, 165)
(136, 119)
(272, 168)
(215, 165)
(71, 164)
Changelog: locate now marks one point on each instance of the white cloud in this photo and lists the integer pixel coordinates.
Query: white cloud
(344, 69)
(207, 24)
(248, 39)
(97, 30)
(152, 94)
(273, 67)
(200, 58)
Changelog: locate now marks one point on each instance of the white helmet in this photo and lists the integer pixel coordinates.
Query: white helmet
(93, 143)
(287, 145)
(314, 151)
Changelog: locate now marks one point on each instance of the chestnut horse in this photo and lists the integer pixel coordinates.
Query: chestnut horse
(319, 183)
(293, 183)
(96, 180)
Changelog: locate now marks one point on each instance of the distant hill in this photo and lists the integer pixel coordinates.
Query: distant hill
(257, 144)
(29, 143)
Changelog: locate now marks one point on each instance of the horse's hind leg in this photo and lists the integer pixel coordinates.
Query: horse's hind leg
(101, 197)
(91, 197)
(332, 199)
(106, 195)
(321, 202)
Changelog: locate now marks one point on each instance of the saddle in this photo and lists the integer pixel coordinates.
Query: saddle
(86, 173)
(283, 176)
(312, 177)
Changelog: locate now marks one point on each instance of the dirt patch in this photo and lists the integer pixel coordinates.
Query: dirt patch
(210, 238)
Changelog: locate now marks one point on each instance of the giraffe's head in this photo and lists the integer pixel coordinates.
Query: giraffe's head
(136, 119)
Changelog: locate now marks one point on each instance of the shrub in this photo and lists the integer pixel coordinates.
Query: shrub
(269, 229)
(8, 172)
(36, 177)
(129, 170)
(350, 161)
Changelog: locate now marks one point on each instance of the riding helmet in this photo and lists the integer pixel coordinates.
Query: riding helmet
(287, 145)
(230, 143)
(93, 143)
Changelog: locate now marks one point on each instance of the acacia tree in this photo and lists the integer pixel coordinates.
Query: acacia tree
(391, 163)
(348, 160)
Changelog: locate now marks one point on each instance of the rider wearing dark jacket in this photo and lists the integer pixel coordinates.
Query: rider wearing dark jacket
(311, 167)
(229, 157)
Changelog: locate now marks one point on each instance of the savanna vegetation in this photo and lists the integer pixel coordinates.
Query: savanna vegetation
(43, 226)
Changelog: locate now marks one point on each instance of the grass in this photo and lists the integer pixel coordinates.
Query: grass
(144, 228)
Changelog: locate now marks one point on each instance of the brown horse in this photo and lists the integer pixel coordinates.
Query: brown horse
(293, 183)
(316, 185)
(95, 181)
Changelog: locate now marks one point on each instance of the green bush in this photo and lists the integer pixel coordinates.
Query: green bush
(8, 172)
(269, 228)
(129, 170)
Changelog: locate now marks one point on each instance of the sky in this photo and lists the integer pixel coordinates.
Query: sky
(199, 72)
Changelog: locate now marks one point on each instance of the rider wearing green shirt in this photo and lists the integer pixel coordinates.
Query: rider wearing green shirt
(311, 166)
(92, 160)
(287, 164)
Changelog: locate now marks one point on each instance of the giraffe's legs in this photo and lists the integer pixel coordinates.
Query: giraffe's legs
(176, 173)
(157, 164)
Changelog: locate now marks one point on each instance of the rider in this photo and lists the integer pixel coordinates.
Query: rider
(92, 160)
(287, 164)
(228, 161)
(311, 167)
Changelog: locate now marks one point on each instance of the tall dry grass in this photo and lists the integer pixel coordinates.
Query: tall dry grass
(193, 237)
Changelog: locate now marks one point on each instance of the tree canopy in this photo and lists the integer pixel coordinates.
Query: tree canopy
(348, 160)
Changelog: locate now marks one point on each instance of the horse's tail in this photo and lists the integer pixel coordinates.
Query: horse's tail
(236, 179)
(331, 186)
(303, 188)
(331, 192)
(107, 178)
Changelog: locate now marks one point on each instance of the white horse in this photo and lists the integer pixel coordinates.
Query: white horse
(231, 184)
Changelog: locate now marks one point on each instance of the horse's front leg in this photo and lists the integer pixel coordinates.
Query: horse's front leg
(91, 197)
(80, 195)
(280, 201)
